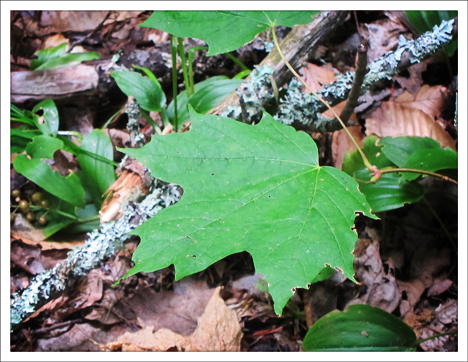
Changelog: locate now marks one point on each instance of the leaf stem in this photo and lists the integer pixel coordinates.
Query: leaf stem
(237, 61)
(435, 336)
(389, 170)
(371, 168)
(184, 67)
(71, 133)
(191, 53)
(174, 78)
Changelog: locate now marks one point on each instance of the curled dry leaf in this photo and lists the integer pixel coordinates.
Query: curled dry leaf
(218, 330)
(395, 119)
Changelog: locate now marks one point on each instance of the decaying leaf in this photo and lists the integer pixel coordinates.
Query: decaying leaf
(316, 76)
(430, 100)
(395, 119)
(382, 289)
(218, 330)
(342, 143)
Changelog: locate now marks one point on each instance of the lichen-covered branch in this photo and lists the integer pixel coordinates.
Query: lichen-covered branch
(303, 110)
(102, 243)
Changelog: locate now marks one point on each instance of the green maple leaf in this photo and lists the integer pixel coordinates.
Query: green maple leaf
(224, 31)
(258, 189)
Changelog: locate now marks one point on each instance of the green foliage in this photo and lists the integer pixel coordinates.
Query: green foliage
(208, 94)
(67, 188)
(46, 117)
(99, 175)
(56, 57)
(394, 190)
(146, 90)
(224, 31)
(388, 193)
(425, 20)
(361, 328)
(69, 196)
(249, 188)
(418, 153)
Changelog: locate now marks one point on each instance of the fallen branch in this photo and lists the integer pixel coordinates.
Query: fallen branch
(303, 111)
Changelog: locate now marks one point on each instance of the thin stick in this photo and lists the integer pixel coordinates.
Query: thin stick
(361, 70)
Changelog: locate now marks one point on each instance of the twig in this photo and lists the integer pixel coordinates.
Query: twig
(355, 92)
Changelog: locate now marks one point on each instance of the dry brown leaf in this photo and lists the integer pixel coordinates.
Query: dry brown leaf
(382, 289)
(395, 119)
(341, 144)
(316, 76)
(411, 292)
(61, 21)
(383, 36)
(218, 330)
(430, 100)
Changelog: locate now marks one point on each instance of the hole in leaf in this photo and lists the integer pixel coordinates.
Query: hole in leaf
(404, 295)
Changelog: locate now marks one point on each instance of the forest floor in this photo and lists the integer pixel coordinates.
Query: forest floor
(406, 261)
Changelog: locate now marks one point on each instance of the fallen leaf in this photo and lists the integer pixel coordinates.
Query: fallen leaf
(61, 21)
(383, 36)
(430, 100)
(394, 119)
(439, 286)
(217, 330)
(411, 292)
(341, 143)
(382, 289)
(316, 76)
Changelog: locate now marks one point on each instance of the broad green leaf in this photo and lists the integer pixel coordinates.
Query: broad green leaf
(258, 189)
(68, 60)
(46, 117)
(43, 147)
(98, 174)
(224, 31)
(388, 193)
(361, 328)
(148, 94)
(45, 55)
(418, 153)
(208, 94)
(66, 188)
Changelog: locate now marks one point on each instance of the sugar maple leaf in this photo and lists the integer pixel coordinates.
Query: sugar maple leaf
(258, 189)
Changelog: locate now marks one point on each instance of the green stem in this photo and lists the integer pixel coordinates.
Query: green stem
(71, 133)
(190, 66)
(184, 66)
(390, 170)
(237, 61)
(371, 168)
(435, 336)
(455, 246)
(77, 220)
(112, 118)
(174, 78)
